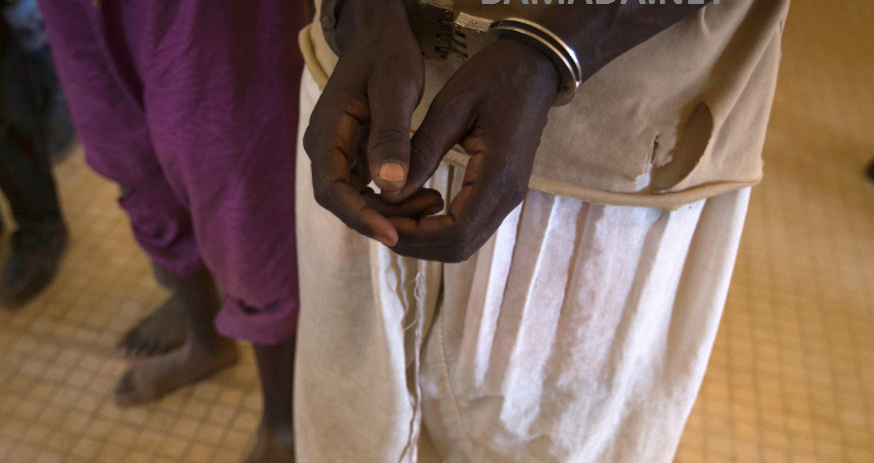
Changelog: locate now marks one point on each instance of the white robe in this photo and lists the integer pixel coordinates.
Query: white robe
(578, 333)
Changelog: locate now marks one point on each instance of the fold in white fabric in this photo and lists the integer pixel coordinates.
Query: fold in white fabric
(578, 333)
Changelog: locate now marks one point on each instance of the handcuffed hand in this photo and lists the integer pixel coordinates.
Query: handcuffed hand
(495, 106)
(360, 127)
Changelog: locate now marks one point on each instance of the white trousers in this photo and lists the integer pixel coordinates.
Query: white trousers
(578, 333)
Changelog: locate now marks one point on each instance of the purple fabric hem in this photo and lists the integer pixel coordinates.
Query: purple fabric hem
(272, 324)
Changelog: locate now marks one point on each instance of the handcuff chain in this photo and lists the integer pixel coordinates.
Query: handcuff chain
(448, 41)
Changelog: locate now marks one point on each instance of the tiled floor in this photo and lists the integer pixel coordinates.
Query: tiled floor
(789, 374)
(58, 365)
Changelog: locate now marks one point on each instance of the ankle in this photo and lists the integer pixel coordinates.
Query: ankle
(277, 425)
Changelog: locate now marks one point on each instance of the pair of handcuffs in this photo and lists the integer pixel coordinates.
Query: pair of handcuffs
(443, 35)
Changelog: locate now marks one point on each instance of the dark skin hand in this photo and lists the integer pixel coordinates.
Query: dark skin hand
(499, 126)
(359, 129)
(495, 107)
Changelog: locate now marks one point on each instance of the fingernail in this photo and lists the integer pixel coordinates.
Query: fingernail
(392, 172)
(384, 240)
(434, 210)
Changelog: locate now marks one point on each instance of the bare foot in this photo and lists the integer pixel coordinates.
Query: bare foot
(161, 331)
(273, 445)
(151, 378)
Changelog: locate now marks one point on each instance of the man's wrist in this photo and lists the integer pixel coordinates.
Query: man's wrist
(537, 71)
(365, 19)
(550, 46)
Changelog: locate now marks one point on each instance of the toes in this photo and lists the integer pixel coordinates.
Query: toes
(151, 378)
(154, 348)
(134, 344)
(129, 391)
(161, 331)
(125, 389)
(138, 349)
(126, 344)
(138, 344)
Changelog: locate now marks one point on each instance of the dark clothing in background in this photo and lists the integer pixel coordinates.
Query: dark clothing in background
(26, 97)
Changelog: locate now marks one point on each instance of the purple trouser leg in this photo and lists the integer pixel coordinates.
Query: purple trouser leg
(192, 107)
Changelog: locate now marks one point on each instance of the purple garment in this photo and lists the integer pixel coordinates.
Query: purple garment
(192, 107)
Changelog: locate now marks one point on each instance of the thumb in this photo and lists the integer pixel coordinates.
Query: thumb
(388, 147)
(446, 124)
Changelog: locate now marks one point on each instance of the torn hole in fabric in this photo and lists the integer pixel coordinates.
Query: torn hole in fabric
(666, 169)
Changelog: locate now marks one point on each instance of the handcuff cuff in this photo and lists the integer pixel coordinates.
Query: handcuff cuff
(443, 35)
